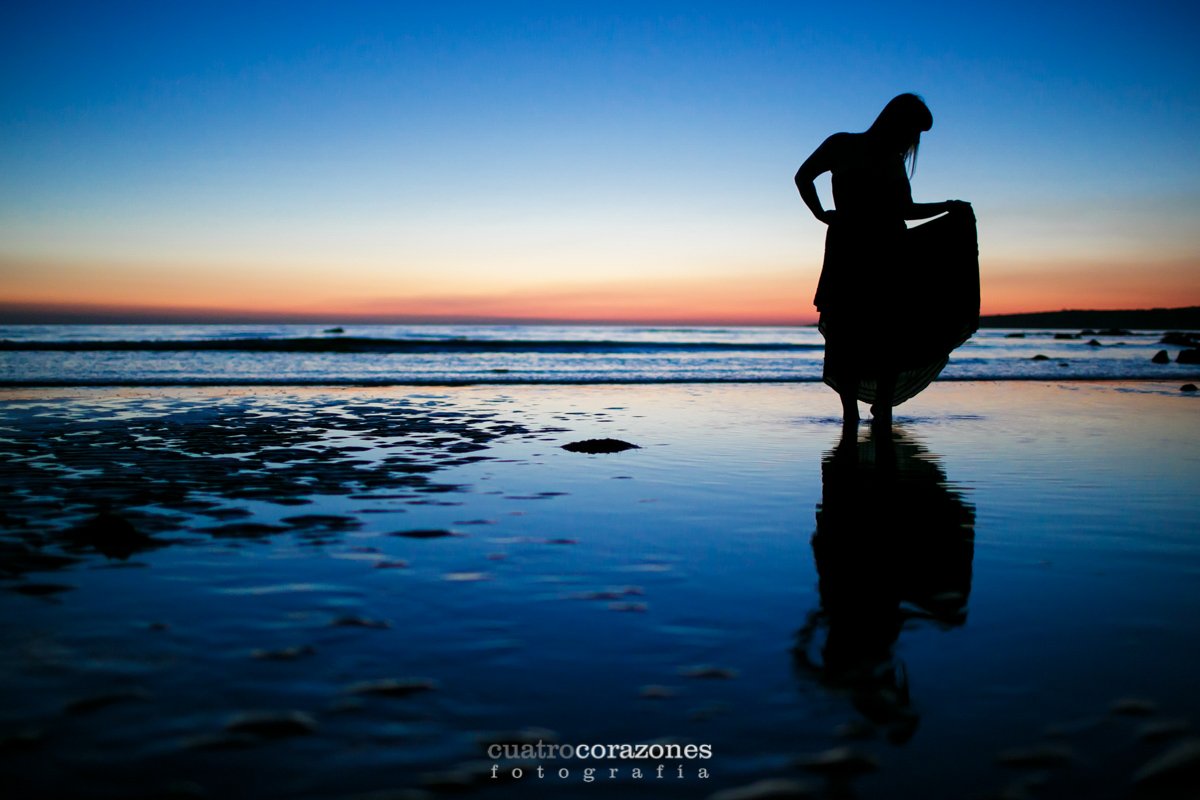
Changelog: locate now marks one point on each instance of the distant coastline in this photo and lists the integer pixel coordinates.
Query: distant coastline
(1143, 319)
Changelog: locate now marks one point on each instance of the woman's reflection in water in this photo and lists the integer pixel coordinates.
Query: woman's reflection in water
(893, 545)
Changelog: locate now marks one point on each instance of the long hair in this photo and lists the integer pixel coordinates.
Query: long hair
(905, 115)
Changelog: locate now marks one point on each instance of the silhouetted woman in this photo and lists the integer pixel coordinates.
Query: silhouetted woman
(893, 301)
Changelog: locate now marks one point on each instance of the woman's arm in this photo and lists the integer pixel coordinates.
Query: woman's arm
(820, 161)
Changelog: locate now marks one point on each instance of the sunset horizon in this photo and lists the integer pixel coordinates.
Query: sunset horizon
(472, 162)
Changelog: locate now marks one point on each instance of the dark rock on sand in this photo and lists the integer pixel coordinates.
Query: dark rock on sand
(592, 446)
(1161, 357)
(109, 534)
(425, 533)
(1188, 387)
(1188, 356)
(272, 724)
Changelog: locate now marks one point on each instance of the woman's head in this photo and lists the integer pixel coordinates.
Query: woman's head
(900, 125)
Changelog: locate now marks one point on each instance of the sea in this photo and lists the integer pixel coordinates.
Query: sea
(349, 589)
(166, 355)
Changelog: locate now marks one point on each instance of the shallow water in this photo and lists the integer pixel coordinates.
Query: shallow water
(1018, 559)
(440, 354)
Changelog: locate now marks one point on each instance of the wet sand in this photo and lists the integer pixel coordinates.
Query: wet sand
(307, 592)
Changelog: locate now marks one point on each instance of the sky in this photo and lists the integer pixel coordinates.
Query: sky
(624, 162)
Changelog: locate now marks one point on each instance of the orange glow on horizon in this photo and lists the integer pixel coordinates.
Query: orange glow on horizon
(763, 297)
(1030, 287)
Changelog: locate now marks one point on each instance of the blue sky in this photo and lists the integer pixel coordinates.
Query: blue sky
(377, 153)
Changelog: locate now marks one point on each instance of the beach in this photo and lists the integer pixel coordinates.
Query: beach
(422, 401)
(357, 591)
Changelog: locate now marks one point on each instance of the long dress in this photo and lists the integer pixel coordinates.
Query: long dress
(893, 299)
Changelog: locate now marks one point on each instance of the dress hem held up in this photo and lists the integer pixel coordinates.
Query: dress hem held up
(897, 301)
